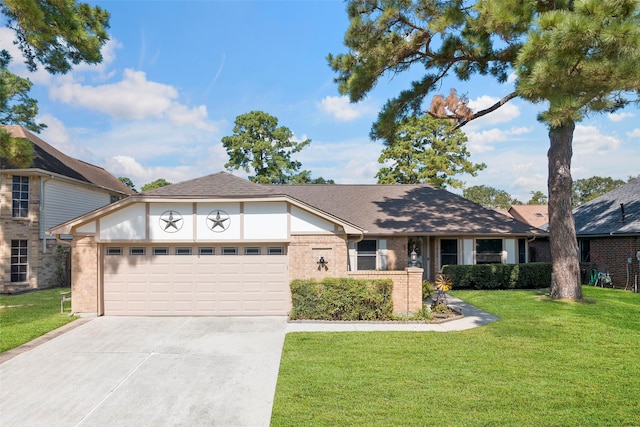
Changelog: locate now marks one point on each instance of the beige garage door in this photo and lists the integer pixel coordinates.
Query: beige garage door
(193, 285)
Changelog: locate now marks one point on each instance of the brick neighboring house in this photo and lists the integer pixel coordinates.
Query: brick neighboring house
(537, 216)
(54, 189)
(608, 231)
(221, 245)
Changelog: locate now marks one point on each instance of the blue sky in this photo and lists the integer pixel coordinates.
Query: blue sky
(176, 74)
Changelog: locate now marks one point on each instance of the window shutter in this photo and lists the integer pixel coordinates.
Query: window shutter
(382, 254)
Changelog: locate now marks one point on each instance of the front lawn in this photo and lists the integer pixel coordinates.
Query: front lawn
(545, 362)
(24, 317)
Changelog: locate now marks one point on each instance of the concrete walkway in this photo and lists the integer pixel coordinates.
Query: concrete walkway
(473, 317)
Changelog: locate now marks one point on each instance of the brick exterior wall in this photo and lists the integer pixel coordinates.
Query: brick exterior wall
(407, 287)
(45, 268)
(610, 255)
(84, 275)
(396, 253)
(305, 251)
(540, 250)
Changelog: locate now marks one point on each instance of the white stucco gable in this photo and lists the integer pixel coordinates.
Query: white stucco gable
(204, 220)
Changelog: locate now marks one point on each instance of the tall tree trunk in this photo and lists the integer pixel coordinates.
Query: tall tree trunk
(565, 279)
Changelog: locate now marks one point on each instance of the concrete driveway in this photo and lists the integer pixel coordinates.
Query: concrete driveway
(141, 371)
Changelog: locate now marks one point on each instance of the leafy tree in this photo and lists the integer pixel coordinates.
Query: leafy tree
(56, 35)
(425, 149)
(571, 56)
(160, 182)
(537, 198)
(260, 145)
(127, 181)
(304, 177)
(489, 197)
(588, 189)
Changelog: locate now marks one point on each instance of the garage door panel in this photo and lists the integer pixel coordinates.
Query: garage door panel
(196, 285)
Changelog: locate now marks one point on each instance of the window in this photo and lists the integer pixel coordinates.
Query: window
(367, 250)
(206, 250)
(137, 250)
(229, 250)
(113, 250)
(448, 252)
(160, 251)
(585, 250)
(19, 260)
(113, 198)
(252, 250)
(488, 251)
(522, 251)
(275, 250)
(183, 251)
(20, 194)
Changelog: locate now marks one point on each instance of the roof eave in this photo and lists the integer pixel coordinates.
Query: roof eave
(42, 172)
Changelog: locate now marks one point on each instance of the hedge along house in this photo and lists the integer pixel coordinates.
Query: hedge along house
(221, 245)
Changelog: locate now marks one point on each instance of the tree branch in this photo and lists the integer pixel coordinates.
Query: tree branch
(463, 120)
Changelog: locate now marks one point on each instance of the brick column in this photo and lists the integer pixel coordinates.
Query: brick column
(84, 275)
(413, 300)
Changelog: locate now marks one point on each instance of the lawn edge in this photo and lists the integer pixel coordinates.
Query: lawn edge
(10, 354)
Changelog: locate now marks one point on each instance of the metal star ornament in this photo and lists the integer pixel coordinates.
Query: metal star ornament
(219, 221)
(171, 221)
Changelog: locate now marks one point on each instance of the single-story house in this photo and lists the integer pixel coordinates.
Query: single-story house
(222, 245)
(53, 189)
(537, 216)
(608, 232)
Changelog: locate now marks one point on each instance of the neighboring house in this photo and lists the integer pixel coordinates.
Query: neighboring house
(537, 216)
(608, 231)
(221, 245)
(54, 189)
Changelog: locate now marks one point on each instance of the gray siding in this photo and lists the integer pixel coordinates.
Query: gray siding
(64, 201)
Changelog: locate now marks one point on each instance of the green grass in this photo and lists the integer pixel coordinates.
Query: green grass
(545, 363)
(24, 317)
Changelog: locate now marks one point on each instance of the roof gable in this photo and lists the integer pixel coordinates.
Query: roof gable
(50, 159)
(536, 215)
(220, 184)
(604, 215)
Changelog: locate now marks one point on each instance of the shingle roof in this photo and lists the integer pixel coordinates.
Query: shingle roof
(49, 159)
(603, 215)
(536, 215)
(221, 184)
(384, 209)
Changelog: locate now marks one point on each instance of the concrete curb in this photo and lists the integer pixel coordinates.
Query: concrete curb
(10, 354)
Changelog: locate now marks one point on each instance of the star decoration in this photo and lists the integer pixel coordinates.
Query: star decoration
(171, 222)
(218, 221)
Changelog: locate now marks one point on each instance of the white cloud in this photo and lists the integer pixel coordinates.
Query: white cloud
(588, 140)
(134, 98)
(352, 161)
(634, 133)
(482, 141)
(140, 175)
(618, 117)
(504, 114)
(57, 135)
(512, 78)
(341, 109)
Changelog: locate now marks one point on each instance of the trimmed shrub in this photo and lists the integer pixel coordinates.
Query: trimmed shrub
(500, 276)
(342, 299)
(428, 289)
